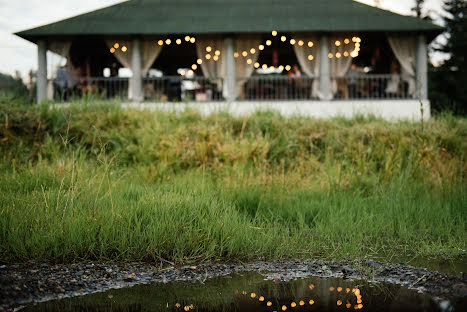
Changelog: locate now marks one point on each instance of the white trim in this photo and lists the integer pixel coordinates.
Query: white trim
(386, 109)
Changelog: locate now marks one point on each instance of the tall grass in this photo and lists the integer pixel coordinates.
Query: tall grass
(100, 182)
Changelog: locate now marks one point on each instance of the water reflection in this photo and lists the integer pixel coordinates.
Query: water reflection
(250, 292)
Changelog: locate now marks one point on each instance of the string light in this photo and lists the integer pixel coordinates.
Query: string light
(288, 68)
(179, 41)
(124, 49)
(274, 33)
(338, 55)
(208, 49)
(268, 42)
(346, 41)
(330, 55)
(187, 38)
(261, 47)
(116, 46)
(301, 43)
(245, 53)
(310, 44)
(192, 40)
(346, 54)
(208, 56)
(168, 42)
(292, 41)
(160, 42)
(191, 73)
(337, 43)
(257, 65)
(265, 66)
(112, 50)
(283, 38)
(249, 61)
(194, 67)
(236, 54)
(311, 57)
(199, 61)
(183, 73)
(253, 51)
(215, 58)
(281, 67)
(217, 52)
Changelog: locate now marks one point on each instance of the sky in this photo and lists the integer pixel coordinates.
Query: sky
(17, 54)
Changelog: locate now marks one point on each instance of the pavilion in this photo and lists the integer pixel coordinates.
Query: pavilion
(351, 57)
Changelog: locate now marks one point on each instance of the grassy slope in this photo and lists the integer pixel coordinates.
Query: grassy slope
(97, 182)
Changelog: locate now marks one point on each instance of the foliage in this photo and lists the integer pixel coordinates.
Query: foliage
(12, 90)
(99, 182)
(447, 90)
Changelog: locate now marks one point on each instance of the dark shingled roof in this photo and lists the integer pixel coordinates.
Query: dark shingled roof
(153, 17)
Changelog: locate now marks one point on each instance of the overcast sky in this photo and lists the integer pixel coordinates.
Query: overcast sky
(16, 15)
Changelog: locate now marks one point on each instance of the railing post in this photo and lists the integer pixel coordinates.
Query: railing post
(324, 69)
(136, 84)
(229, 77)
(41, 71)
(422, 67)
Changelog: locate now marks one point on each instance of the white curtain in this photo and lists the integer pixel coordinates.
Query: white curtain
(310, 67)
(150, 52)
(340, 64)
(404, 48)
(243, 70)
(61, 48)
(211, 68)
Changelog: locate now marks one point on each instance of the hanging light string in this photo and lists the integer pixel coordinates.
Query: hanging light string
(213, 54)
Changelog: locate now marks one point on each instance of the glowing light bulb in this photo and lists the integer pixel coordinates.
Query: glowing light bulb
(192, 40)
(281, 68)
(245, 53)
(269, 303)
(252, 50)
(268, 42)
(124, 49)
(354, 54)
(311, 57)
(187, 38)
(208, 49)
(337, 43)
(257, 65)
(194, 67)
(199, 61)
(274, 33)
(311, 302)
(339, 302)
(292, 41)
(179, 41)
(116, 46)
(302, 303)
(217, 52)
(310, 44)
(301, 43)
(249, 61)
(160, 42)
(190, 72)
(215, 58)
(346, 41)
(346, 54)
(261, 298)
(112, 50)
(265, 66)
(208, 56)
(338, 55)
(284, 308)
(261, 47)
(253, 295)
(293, 304)
(183, 73)
(236, 54)
(168, 41)
(288, 68)
(283, 38)
(330, 55)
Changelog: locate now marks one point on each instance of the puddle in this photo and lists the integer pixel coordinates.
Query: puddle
(250, 292)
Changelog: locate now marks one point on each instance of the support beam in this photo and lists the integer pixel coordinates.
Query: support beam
(41, 71)
(136, 85)
(230, 79)
(324, 69)
(422, 68)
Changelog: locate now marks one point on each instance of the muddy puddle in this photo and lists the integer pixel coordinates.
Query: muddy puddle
(252, 292)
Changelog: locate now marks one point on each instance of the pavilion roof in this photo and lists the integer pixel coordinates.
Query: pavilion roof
(157, 17)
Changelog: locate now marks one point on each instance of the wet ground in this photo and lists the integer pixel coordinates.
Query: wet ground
(231, 287)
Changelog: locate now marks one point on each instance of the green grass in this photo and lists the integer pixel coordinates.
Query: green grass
(96, 182)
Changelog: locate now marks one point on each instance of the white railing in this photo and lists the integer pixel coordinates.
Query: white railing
(370, 87)
(256, 88)
(275, 88)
